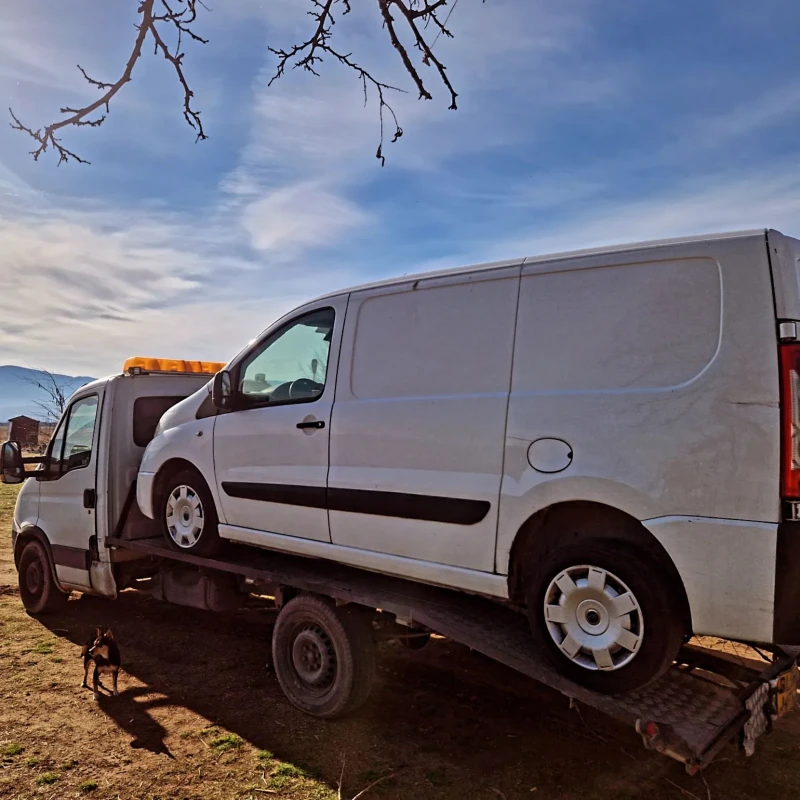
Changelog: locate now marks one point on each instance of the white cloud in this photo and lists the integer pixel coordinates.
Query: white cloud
(90, 287)
(86, 284)
(712, 204)
(709, 130)
(299, 217)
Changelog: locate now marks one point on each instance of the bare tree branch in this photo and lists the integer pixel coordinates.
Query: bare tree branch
(149, 22)
(310, 53)
(57, 392)
(406, 23)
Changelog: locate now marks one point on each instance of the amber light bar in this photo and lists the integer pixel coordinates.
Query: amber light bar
(143, 364)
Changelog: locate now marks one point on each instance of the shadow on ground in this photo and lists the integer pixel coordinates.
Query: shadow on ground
(446, 720)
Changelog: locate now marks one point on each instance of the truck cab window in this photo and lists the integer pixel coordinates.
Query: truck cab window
(72, 444)
(292, 364)
(147, 411)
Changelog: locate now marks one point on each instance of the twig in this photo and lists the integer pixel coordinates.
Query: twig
(681, 789)
(497, 792)
(444, 24)
(708, 788)
(373, 784)
(341, 780)
(424, 48)
(82, 117)
(593, 732)
(310, 54)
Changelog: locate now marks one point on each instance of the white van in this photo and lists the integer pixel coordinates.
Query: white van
(607, 438)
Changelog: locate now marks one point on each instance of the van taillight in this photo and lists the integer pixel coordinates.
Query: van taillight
(790, 421)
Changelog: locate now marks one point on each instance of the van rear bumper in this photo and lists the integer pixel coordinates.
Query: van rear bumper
(728, 569)
(786, 626)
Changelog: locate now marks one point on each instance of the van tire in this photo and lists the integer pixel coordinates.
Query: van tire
(187, 496)
(37, 586)
(656, 609)
(340, 672)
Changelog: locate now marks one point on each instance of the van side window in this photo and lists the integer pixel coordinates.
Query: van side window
(72, 445)
(147, 411)
(292, 364)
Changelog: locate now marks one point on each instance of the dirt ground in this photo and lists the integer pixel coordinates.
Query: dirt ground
(201, 716)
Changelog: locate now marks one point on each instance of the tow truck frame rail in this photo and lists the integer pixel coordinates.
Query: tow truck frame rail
(706, 700)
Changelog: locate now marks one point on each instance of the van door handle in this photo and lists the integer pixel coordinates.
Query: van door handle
(315, 424)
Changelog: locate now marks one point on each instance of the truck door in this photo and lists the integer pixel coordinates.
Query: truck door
(67, 497)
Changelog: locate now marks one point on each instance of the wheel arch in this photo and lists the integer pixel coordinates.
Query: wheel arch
(34, 533)
(168, 470)
(573, 521)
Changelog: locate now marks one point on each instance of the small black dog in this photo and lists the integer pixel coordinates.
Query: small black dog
(102, 651)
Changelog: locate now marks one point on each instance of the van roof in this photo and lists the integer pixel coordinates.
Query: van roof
(570, 254)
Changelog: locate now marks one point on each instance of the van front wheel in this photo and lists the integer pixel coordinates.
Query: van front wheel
(188, 515)
(604, 613)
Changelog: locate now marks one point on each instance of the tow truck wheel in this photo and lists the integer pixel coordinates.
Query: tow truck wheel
(605, 614)
(324, 656)
(37, 586)
(188, 515)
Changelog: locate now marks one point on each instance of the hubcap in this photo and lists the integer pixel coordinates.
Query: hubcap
(314, 658)
(33, 577)
(185, 516)
(594, 618)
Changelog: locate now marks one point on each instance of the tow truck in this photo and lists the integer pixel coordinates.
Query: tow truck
(77, 528)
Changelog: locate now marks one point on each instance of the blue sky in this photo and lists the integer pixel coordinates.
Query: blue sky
(581, 123)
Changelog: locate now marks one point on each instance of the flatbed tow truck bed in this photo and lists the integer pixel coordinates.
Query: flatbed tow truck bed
(706, 700)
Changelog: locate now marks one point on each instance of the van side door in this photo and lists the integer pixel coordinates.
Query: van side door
(419, 421)
(68, 489)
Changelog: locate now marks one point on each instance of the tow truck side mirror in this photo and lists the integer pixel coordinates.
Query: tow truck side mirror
(222, 391)
(12, 469)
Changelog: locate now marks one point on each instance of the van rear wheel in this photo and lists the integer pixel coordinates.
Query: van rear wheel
(604, 613)
(188, 515)
(37, 586)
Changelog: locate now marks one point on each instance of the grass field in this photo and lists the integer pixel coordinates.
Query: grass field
(201, 716)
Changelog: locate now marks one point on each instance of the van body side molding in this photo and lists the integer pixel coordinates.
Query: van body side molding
(450, 510)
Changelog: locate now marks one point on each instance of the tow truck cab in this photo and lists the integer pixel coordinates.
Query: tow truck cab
(74, 496)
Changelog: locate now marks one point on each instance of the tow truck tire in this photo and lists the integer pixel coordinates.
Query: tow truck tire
(606, 615)
(324, 656)
(188, 515)
(37, 586)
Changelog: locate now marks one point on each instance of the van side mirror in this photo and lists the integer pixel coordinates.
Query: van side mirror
(12, 469)
(222, 391)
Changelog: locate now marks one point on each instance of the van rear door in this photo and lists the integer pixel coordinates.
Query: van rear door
(784, 255)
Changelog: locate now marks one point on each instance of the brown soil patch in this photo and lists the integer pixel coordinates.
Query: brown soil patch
(201, 716)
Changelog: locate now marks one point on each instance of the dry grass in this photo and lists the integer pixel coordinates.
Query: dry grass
(200, 716)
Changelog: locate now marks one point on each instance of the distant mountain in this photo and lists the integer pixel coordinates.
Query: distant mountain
(19, 396)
